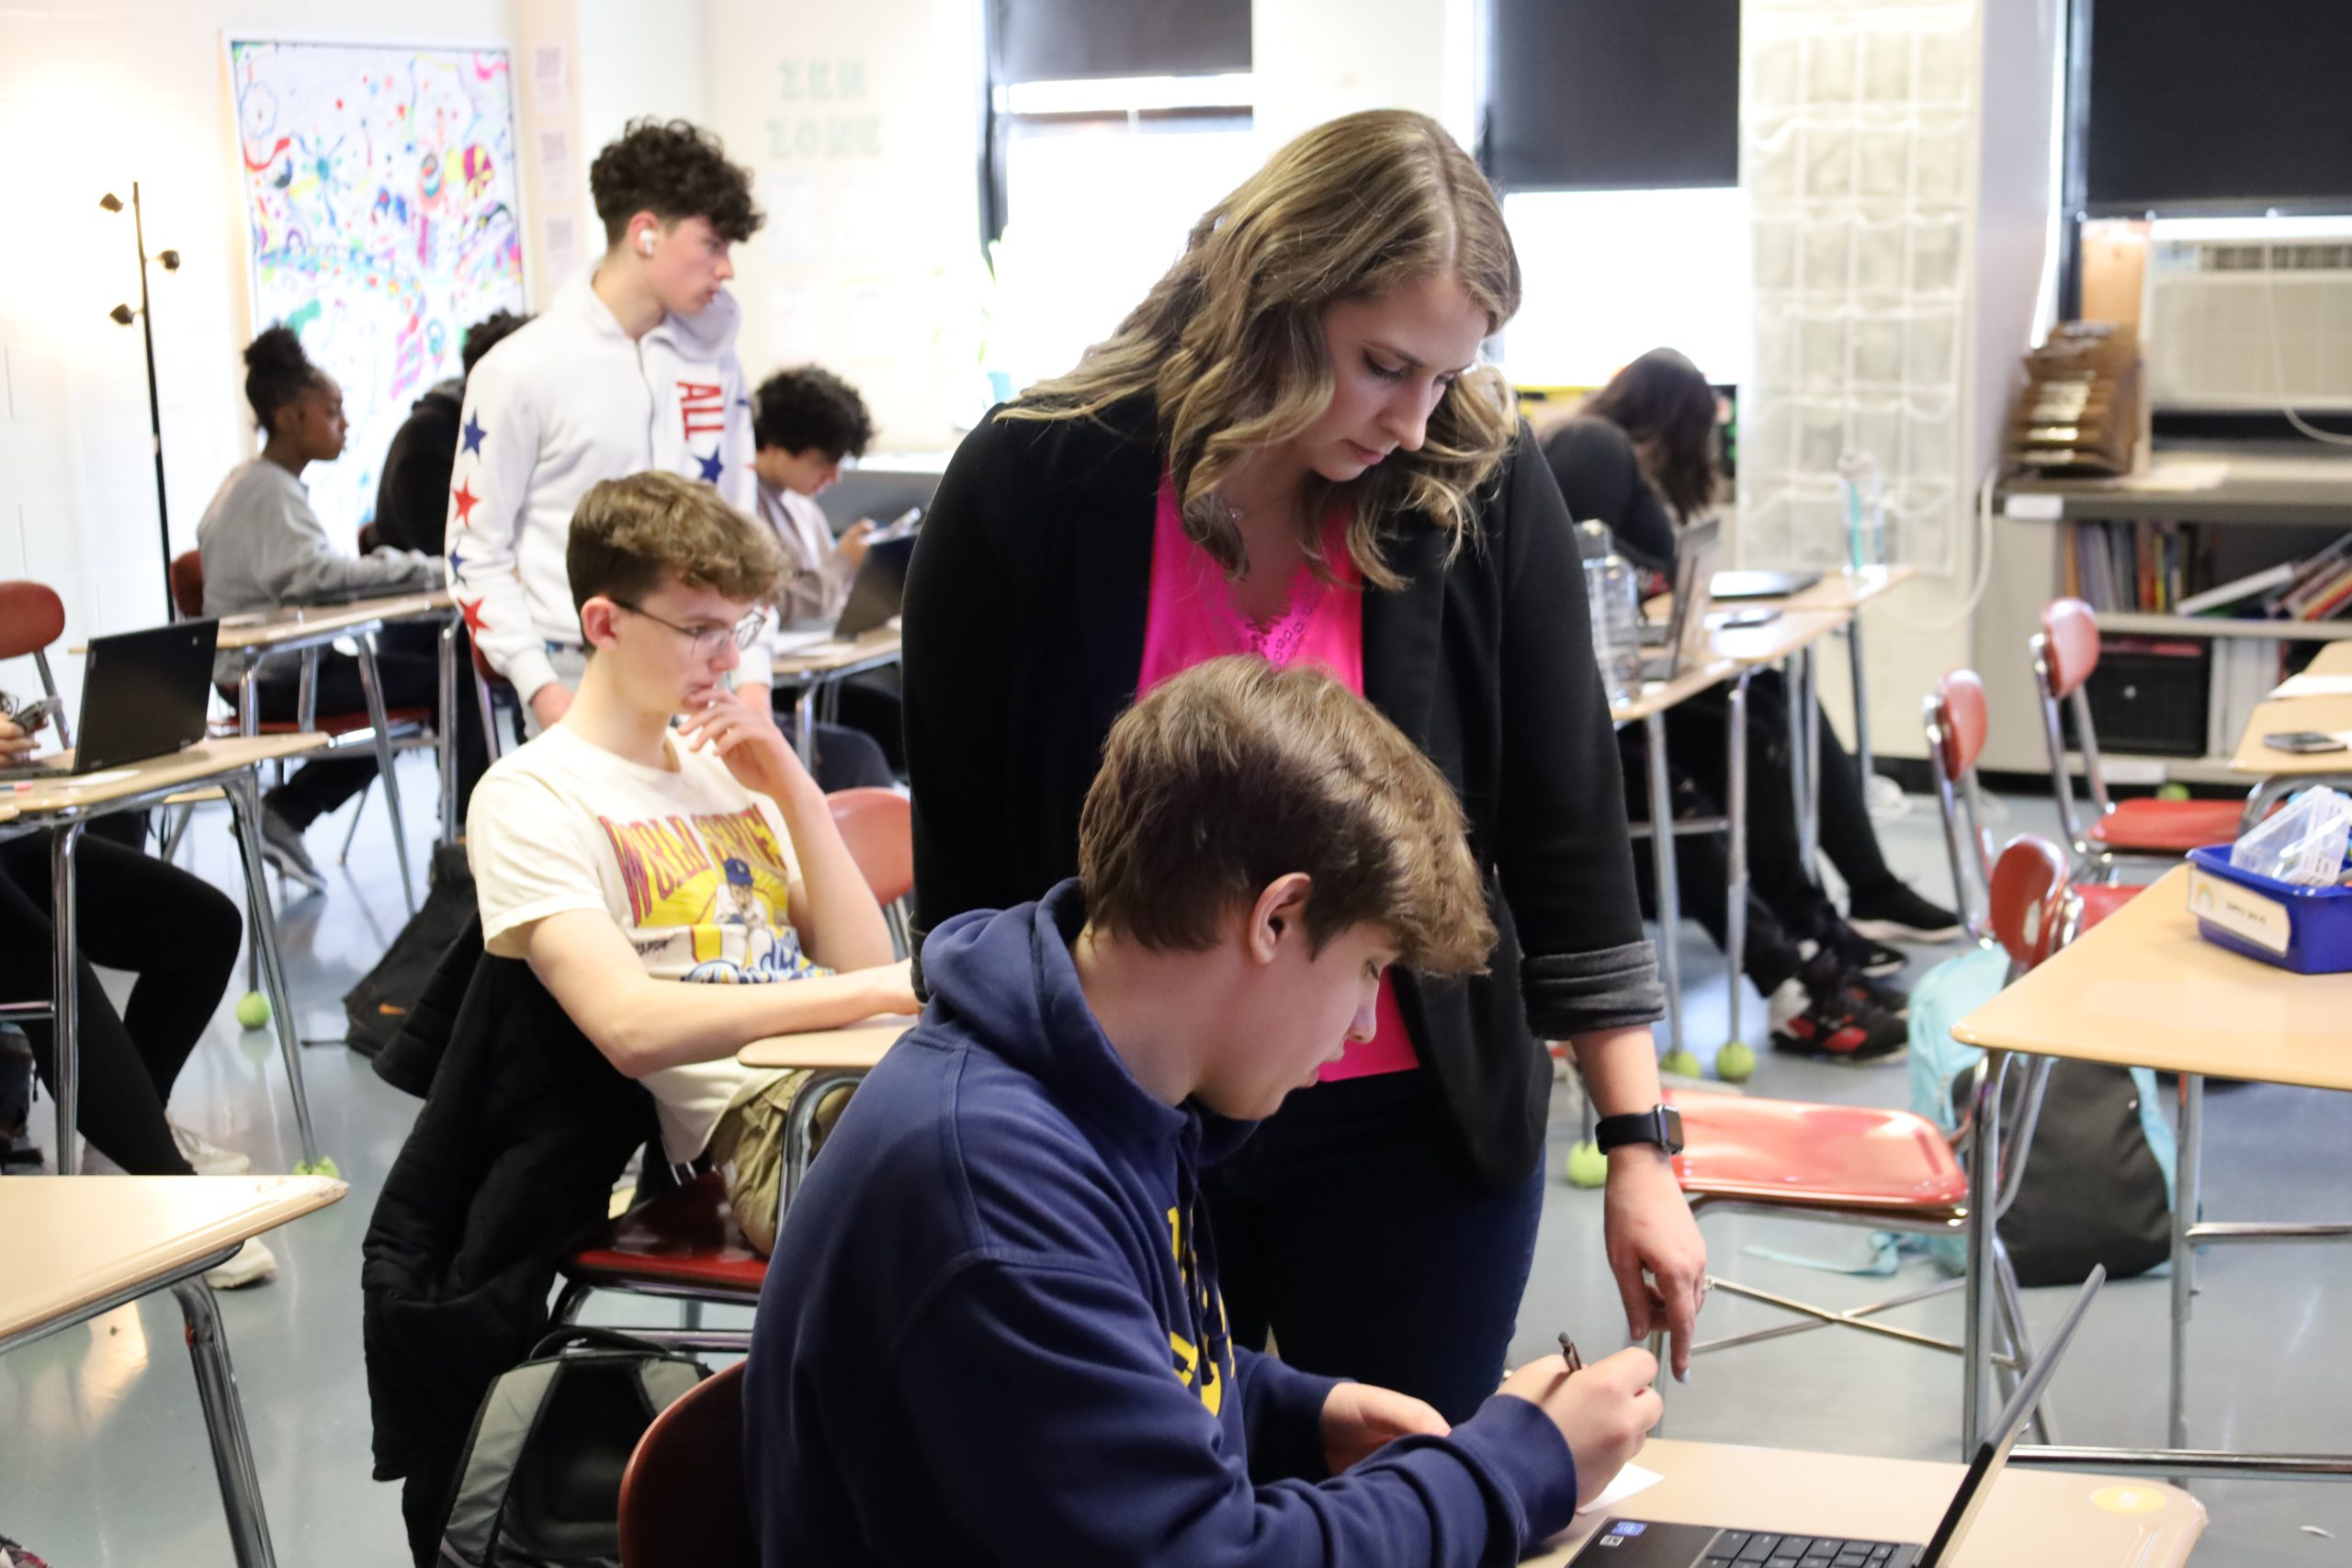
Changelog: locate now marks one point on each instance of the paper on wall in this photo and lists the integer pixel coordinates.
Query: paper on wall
(550, 78)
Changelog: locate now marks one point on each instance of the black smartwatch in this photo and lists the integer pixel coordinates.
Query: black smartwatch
(1662, 1126)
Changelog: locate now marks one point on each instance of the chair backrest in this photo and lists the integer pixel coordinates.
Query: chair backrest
(1957, 723)
(31, 618)
(187, 583)
(2029, 897)
(878, 827)
(2070, 637)
(683, 1503)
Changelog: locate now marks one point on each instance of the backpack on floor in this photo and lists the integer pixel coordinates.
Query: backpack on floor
(2099, 1183)
(376, 1007)
(538, 1484)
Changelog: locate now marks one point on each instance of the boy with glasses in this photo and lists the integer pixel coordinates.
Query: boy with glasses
(680, 891)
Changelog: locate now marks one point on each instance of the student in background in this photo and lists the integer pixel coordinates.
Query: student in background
(679, 892)
(631, 369)
(412, 496)
(1291, 448)
(178, 937)
(1036, 1367)
(264, 548)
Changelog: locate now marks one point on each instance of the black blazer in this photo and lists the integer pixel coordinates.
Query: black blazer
(1025, 625)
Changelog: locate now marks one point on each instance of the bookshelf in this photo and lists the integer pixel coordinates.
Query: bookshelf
(2254, 506)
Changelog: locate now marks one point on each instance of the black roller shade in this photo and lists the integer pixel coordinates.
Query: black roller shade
(1613, 95)
(1055, 40)
(2232, 103)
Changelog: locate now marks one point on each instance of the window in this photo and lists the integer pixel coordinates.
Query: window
(1612, 275)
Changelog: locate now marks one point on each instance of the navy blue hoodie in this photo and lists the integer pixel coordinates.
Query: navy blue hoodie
(991, 1333)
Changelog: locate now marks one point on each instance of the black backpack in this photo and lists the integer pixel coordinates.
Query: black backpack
(538, 1484)
(380, 1004)
(2095, 1190)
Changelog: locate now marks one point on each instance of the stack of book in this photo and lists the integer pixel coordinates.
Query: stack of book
(2318, 588)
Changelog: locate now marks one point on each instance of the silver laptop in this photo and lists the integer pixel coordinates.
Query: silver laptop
(1685, 633)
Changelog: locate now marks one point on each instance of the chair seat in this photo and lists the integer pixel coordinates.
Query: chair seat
(2101, 899)
(1842, 1156)
(685, 1237)
(2168, 826)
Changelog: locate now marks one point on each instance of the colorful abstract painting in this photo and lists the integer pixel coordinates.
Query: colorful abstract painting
(383, 205)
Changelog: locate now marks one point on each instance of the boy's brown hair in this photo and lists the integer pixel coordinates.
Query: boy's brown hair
(630, 535)
(1235, 773)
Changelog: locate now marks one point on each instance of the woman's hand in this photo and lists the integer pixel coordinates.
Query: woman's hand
(744, 735)
(1655, 1249)
(1359, 1420)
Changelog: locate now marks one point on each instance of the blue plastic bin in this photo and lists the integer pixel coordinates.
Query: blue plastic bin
(2318, 920)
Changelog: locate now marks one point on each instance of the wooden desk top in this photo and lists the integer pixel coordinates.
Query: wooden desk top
(1843, 589)
(2330, 716)
(854, 1048)
(2332, 659)
(2034, 1518)
(1787, 633)
(2142, 988)
(877, 646)
(274, 629)
(1657, 696)
(75, 1240)
(208, 760)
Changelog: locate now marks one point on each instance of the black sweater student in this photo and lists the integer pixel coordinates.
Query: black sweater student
(1384, 1224)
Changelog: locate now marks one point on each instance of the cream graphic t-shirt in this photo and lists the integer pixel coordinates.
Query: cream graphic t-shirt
(694, 868)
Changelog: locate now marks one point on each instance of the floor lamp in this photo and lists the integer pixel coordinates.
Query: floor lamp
(125, 315)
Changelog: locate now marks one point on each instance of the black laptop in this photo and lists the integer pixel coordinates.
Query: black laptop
(879, 590)
(143, 694)
(1636, 1543)
(1731, 586)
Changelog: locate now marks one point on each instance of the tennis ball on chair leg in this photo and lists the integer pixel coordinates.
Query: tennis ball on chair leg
(1736, 1063)
(1588, 1167)
(253, 1009)
(1682, 1063)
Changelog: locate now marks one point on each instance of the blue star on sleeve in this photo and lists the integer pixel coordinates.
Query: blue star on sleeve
(456, 564)
(473, 433)
(711, 466)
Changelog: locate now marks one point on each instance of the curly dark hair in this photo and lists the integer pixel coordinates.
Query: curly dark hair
(1664, 400)
(672, 169)
(277, 374)
(485, 335)
(796, 410)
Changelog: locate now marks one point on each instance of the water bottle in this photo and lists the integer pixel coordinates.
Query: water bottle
(1612, 594)
(1864, 495)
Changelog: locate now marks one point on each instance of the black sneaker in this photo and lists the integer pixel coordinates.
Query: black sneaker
(1895, 913)
(1857, 954)
(282, 847)
(1823, 974)
(1847, 1029)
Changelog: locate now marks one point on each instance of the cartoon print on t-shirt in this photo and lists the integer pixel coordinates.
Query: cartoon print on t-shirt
(709, 898)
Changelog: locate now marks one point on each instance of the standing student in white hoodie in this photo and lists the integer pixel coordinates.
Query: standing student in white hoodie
(631, 369)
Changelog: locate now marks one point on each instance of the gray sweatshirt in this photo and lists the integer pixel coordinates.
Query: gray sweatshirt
(264, 548)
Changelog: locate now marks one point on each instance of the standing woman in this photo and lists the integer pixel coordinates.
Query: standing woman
(1291, 448)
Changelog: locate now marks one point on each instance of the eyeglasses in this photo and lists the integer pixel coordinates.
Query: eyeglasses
(705, 639)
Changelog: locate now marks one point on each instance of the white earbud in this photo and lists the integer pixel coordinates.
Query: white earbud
(645, 241)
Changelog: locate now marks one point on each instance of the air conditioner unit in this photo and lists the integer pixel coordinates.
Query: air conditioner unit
(2249, 316)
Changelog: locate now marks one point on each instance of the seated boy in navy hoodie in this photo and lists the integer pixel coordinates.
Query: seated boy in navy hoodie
(991, 1333)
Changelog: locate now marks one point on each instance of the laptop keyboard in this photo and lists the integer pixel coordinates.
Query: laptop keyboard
(1744, 1549)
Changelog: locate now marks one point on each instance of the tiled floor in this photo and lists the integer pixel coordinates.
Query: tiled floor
(103, 1461)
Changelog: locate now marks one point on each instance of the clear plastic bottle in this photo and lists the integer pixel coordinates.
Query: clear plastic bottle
(1612, 594)
(1864, 495)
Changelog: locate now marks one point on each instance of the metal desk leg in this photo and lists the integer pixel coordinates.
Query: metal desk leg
(249, 698)
(1670, 895)
(1864, 762)
(244, 816)
(1807, 721)
(1735, 853)
(371, 683)
(2184, 1256)
(444, 719)
(65, 1010)
(800, 1133)
(1976, 1326)
(224, 1421)
(804, 723)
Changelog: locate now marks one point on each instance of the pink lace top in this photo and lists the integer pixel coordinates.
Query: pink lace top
(1192, 618)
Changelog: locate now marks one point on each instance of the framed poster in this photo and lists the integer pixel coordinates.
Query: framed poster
(382, 201)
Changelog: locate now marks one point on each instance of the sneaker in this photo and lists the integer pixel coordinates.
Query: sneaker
(1840, 1029)
(282, 847)
(251, 1264)
(1855, 954)
(15, 1556)
(1824, 976)
(208, 1158)
(1897, 913)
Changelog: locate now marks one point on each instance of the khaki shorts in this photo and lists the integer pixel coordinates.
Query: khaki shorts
(747, 1145)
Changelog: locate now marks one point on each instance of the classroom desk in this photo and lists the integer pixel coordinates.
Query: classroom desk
(68, 805)
(86, 1247)
(822, 667)
(2142, 988)
(2332, 659)
(2280, 773)
(2032, 1519)
(834, 1058)
(254, 639)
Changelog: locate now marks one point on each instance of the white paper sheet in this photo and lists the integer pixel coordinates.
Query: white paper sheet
(1630, 1479)
(2310, 686)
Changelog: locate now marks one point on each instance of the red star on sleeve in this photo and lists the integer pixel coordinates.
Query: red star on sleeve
(472, 613)
(467, 500)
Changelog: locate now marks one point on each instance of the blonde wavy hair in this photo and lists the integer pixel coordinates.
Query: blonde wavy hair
(1231, 342)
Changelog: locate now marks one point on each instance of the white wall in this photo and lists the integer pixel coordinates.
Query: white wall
(91, 99)
(1315, 59)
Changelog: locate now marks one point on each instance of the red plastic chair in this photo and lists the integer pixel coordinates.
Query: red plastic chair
(32, 617)
(2065, 652)
(683, 1244)
(682, 1498)
(878, 826)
